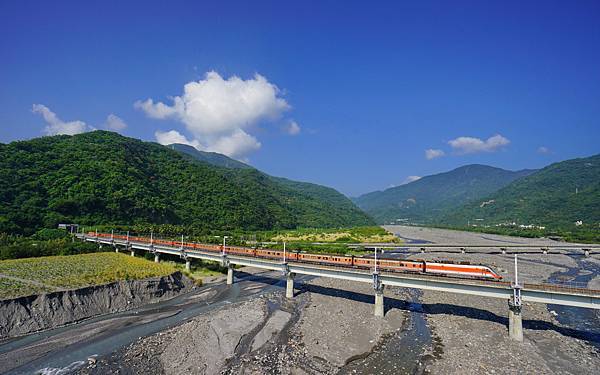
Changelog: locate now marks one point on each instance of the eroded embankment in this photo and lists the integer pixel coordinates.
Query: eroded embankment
(24, 315)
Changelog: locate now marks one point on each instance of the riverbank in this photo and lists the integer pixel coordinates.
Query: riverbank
(448, 236)
(470, 333)
(28, 314)
(327, 325)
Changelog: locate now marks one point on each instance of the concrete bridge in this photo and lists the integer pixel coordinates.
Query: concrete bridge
(514, 293)
(586, 250)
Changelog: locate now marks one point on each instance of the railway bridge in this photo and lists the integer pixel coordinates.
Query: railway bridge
(513, 292)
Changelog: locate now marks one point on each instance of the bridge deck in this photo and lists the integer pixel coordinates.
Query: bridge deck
(541, 293)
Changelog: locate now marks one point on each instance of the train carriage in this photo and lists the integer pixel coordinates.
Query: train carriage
(463, 270)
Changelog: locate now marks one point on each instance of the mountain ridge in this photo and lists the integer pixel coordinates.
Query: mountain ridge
(557, 196)
(431, 196)
(311, 190)
(102, 177)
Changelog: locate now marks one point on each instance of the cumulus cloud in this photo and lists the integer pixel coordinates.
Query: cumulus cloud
(410, 179)
(173, 136)
(217, 112)
(114, 122)
(57, 126)
(433, 153)
(470, 145)
(543, 150)
(292, 128)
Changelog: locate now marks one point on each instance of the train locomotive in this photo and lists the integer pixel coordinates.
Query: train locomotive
(446, 268)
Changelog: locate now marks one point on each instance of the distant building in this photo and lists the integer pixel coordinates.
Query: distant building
(578, 223)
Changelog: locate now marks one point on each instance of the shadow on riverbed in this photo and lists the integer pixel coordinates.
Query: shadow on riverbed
(439, 308)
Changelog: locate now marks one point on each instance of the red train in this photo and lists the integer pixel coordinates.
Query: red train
(384, 264)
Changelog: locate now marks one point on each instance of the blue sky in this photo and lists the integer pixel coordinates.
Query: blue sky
(369, 88)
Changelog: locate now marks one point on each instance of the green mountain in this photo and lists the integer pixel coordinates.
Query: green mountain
(556, 197)
(431, 197)
(213, 158)
(104, 178)
(314, 191)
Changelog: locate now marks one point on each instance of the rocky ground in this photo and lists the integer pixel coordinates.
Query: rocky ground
(446, 236)
(471, 336)
(327, 325)
(329, 328)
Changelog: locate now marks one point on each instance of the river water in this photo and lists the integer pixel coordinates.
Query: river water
(64, 349)
(400, 352)
(586, 322)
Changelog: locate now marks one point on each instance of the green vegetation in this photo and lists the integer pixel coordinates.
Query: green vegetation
(46, 274)
(303, 198)
(328, 241)
(425, 200)
(213, 158)
(199, 268)
(104, 178)
(341, 235)
(554, 197)
(582, 234)
(45, 242)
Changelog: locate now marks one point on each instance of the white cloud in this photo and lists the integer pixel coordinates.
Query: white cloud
(114, 122)
(173, 136)
(410, 179)
(217, 112)
(469, 145)
(543, 150)
(235, 145)
(292, 128)
(433, 153)
(57, 126)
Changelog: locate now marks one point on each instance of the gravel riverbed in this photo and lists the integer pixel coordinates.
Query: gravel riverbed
(470, 333)
(329, 328)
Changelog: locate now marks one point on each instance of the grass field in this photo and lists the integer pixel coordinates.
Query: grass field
(347, 235)
(28, 276)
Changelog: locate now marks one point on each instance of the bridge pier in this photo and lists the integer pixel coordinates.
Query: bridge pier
(289, 288)
(229, 275)
(156, 257)
(188, 265)
(586, 252)
(132, 252)
(462, 250)
(379, 301)
(515, 322)
(503, 251)
(545, 251)
(116, 249)
(422, 250)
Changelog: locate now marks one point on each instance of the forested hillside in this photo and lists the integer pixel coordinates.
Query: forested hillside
(429, 198)
(102, 177)
(213, 158)
(556, 197)
(317, 193)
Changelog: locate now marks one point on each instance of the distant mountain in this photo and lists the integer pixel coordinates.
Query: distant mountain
(104, 178)
(555, 196)
(432, 197)
(213, 158)
(339, 205)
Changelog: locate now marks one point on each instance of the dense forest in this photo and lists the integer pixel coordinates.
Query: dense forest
(424, 201)
(104, 178)
(289, 188)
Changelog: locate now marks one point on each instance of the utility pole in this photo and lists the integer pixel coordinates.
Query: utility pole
(224, 238)
(375, 260)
